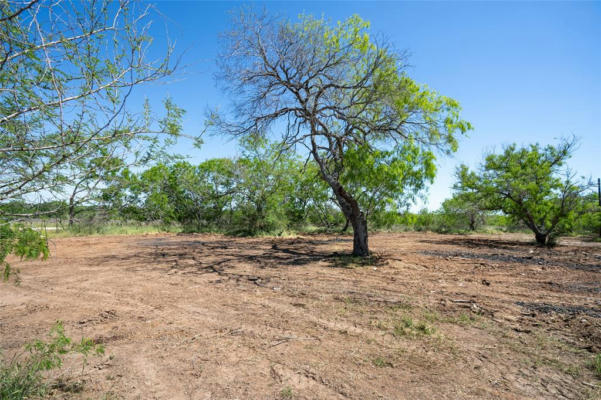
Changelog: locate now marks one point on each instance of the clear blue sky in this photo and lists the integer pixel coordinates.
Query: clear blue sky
(523, 72)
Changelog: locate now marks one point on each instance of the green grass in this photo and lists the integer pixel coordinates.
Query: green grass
(407, 327)
(286, 393)
(112, 229)
(573, 370)
(381, 362)
(463, 319)
(596, 365)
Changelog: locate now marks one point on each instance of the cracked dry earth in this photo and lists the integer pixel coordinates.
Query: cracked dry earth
(214, 317)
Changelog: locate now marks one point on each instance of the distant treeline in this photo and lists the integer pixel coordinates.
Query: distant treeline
(261, 192)
(246, 220)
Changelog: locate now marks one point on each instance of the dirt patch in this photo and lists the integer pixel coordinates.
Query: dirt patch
(213, 317)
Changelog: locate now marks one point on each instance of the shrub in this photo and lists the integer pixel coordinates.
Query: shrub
(21, 377)
(21, 241)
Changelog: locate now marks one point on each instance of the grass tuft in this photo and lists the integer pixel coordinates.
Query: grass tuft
(381, 362)
(407, 327)
(286, 393)
(596, 365)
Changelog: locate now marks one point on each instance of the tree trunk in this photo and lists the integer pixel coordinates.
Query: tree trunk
(360, 246)
(541, 238)
(71, 212)
(345, 226)
(353, 214)
(348, 205)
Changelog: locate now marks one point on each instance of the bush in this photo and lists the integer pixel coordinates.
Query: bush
(22, 376)
(22, 241)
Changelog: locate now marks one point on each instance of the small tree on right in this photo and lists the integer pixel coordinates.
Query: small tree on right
(531, 185)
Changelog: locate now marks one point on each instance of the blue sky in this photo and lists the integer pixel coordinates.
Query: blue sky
(523, 71)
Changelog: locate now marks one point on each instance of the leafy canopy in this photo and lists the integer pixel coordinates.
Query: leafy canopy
(530, 184)
(344, 96)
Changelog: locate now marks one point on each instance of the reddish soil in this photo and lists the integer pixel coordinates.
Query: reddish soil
(214, 317)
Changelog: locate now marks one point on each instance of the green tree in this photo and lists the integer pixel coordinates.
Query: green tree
(309, 202)
(530, 185)
(265, 183)
(66, 73)
(464, 210)
(218, 188)
(370, 129)
(589, 221)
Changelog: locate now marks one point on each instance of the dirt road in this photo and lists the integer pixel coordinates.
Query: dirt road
(214, 317)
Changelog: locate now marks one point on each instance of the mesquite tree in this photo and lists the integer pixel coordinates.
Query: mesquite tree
(346, 99)
(67, 69)
(529, 184)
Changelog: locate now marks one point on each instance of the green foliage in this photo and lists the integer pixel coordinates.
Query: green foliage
(530, 185)
(589, 220)
(381, 362)
(380, 176)
(62, 106)
(21, 377)
(407, 327)
(23, 242)
(286, 393)
(596, 365)
(384, 180)
(462, 212)
(371, 130)
(262, 191)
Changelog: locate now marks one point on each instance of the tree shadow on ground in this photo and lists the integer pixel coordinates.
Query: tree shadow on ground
(517, 259)
(479, 243)
(230, 257)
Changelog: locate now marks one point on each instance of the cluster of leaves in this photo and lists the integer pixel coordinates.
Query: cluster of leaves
(65, 77)
(21, 376)
(531, 185)
(262, 191)
(588, 219)
(66, 73)
(371, 130)
(24, 242)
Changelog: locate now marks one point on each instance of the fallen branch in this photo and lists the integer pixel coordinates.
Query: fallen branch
(289, 338)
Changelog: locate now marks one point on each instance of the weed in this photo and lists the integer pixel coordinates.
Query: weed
(401, 306)
(111, 396)
(596, 365)
(286, 393)
(462, 319)
(21, 376)
(573, 370)
(381, 325)
(348, 300)
(408, 327)
(381, 362)
(424, 329)
(431, 316)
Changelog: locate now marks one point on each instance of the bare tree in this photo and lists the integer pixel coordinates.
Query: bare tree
(342, 96)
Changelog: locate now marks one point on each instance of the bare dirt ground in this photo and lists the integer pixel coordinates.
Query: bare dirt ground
(213, 317)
